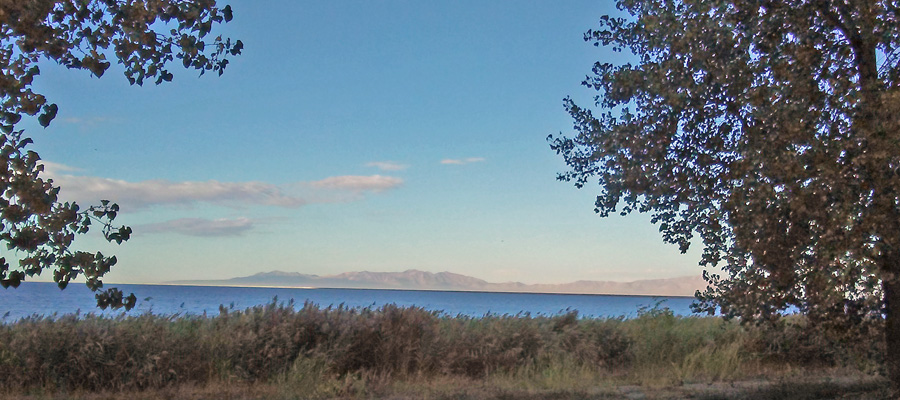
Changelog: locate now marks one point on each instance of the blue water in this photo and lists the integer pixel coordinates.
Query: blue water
(46, 299)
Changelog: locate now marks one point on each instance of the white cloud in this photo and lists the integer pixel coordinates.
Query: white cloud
(355, 183)
(199, 227)
(387, 165)
(462, 161)
(138, 195)
(135, 195)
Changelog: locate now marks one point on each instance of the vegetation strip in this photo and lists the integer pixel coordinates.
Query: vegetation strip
(314, 352)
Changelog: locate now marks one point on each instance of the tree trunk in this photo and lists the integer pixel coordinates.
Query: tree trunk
(892, 330)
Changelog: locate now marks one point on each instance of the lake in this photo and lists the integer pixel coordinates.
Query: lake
(46, 299)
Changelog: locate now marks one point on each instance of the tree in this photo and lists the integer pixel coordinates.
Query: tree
(770, 131)
(143, 36)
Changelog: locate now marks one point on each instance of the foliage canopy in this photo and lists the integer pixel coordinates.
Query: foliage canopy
(768, 130)
(143, 36)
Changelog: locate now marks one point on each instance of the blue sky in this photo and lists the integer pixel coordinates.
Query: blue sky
(377, 136)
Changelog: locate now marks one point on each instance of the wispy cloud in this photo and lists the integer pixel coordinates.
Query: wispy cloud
(139, 195)
(87, 122)
(387, 165)
(461, 161)
(355, 183)
(199, 227)
(55, 169)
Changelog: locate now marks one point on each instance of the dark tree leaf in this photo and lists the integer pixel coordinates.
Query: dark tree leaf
(48, 115)
(227, 13)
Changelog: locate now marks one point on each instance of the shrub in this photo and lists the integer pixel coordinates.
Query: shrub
(320, 347)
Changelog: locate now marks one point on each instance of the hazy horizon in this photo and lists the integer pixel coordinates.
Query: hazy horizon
(419, 270)
(414, 279)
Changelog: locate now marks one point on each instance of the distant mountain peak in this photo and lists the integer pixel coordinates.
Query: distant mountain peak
(281, 273)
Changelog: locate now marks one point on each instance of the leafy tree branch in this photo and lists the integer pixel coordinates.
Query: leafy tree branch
(142, 36)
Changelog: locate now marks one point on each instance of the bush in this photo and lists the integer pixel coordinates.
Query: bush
(320, 347)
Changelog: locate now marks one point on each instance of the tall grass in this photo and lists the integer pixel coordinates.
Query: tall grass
(314, 351)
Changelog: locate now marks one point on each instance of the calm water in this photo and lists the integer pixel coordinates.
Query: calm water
(46, 299)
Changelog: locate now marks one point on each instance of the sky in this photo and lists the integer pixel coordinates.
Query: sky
(349, 136)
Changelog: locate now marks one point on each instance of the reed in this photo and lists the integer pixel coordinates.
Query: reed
(311, 351)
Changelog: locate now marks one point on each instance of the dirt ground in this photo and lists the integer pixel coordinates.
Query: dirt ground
(828, 388)
(825, 389)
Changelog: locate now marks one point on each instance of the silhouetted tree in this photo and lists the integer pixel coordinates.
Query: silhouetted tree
(770, 130)
(143, 36)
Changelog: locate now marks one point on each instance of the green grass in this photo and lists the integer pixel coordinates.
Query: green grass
(392, 351)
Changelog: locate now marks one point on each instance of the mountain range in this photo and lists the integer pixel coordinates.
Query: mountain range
(422, 280)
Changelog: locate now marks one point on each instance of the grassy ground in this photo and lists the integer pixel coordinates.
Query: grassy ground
(275, 352)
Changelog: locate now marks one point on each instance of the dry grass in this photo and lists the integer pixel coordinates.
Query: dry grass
(275, 351)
